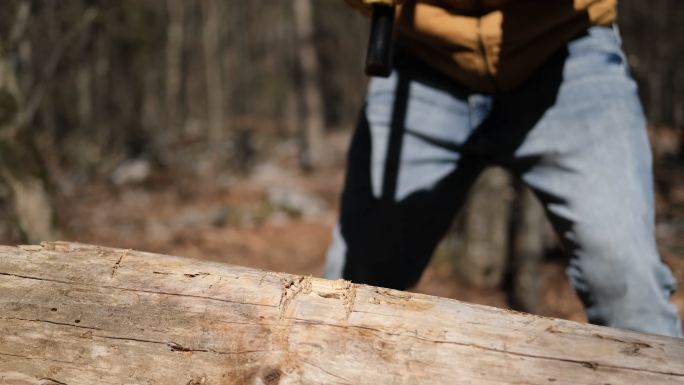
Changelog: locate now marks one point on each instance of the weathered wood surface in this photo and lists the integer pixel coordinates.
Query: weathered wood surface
(77, 314)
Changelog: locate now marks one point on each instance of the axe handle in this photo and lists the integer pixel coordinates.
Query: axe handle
(379, 55)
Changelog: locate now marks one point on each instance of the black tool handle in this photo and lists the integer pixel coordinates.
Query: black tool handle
(379, 56)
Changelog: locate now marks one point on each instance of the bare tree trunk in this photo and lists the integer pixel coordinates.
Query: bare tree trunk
(528, 249)
(19, 166)
(482, 254)
(659, 68)
(84, 85)
(174, 62)
(292, 118)
(211, 39)
(310, 92)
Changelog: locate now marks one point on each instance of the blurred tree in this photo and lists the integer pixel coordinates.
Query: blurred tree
(530, 238)
(211, 45)
(484, 227)
(20, 168)
(175, 30)
(309, 93)
(653, 35)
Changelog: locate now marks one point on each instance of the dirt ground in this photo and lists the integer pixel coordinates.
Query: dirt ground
(280, 219)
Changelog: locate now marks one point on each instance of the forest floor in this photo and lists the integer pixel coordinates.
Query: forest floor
(279, 218)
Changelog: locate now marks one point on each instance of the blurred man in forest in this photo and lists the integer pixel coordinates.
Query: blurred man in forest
(541, 88)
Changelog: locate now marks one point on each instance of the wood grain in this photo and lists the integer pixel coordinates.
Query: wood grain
(78, 314)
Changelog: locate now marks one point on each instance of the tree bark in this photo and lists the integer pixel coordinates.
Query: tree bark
(482, 254)
(528, 250)
(654, 34)
(20, 168)
(211, 40)
(311, 101)
(78, 314)
(174, 63)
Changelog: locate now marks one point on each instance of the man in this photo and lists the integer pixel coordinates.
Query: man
(541, 88)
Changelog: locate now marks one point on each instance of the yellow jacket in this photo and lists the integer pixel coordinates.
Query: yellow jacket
(494, 45)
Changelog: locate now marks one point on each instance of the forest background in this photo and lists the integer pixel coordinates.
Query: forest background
(217, 129)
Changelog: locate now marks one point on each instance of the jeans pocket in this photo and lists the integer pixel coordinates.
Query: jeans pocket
(596, 53)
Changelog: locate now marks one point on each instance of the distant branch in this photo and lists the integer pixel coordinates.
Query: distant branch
(35, 97)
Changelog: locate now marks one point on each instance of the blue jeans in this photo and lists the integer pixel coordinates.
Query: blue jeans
(574, 133)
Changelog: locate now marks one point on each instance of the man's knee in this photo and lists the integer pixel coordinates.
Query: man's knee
(623, 282)
(611, 259)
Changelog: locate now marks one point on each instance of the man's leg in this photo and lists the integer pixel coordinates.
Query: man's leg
(589, 160)
(406, 177)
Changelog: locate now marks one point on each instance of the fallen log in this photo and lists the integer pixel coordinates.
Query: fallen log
(78, 314)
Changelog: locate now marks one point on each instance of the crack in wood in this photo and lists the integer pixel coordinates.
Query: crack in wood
(49, 322)
(118, 263)
(195, 275)
(348, 294)
(50, 381)
(291, 288)
(175, 347)
(378, 314)
(179, 348)
(36, 278)
(346, 381)
(633, 347)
